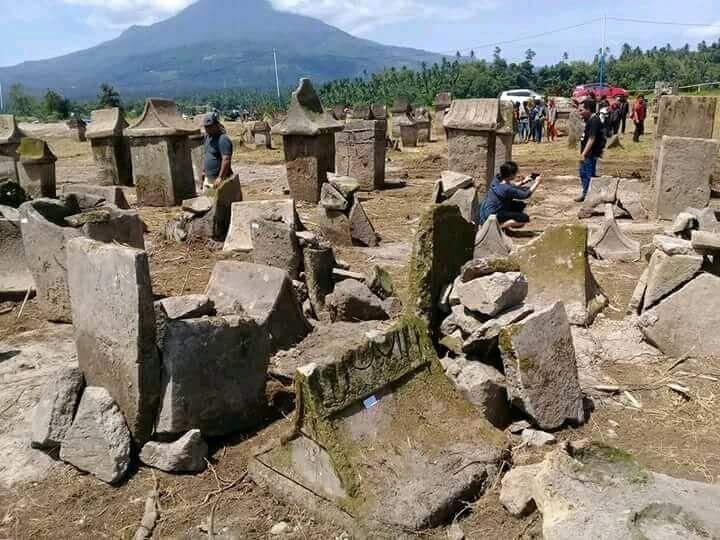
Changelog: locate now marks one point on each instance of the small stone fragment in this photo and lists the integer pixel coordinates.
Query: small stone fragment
(672, 245)
(706, 242)
(354, 301)
(186, 455)
(361, 229)
(332, 199)
(53, 415)
(380, 282)
(190, 306)
(484, 267)
(453, 181)
(536, 438)
(198, 205)
(493, 294)
(668, 273)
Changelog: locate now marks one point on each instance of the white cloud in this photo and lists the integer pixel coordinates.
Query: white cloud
(119, 14)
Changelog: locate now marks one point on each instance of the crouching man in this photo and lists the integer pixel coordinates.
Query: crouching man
(506, 195)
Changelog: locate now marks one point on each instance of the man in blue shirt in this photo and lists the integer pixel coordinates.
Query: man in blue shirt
(505, 197)
(218, 152)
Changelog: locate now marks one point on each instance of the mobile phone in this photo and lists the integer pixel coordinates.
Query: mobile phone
(535, 175)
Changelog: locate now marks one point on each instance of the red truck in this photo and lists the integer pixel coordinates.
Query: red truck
(600, 91)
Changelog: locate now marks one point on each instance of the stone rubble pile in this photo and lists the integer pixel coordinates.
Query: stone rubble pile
(341, 216)
(682, 280)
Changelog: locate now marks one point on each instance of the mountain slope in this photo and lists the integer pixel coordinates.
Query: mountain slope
(210, 45)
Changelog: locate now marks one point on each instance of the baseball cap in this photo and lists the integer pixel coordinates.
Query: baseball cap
(211, 119)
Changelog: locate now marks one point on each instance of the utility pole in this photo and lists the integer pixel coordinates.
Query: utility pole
(602, 52)
(2, 105)
(277, 77)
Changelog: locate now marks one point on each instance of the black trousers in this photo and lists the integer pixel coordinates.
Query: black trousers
(639, 130)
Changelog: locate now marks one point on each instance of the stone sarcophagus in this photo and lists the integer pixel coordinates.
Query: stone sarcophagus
(360, 151)
(9, 142)
(110, 148)
(36, 170)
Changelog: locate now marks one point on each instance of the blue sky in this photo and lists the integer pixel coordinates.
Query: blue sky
(47, 28)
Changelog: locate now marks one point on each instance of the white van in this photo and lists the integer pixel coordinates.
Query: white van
(520, 95)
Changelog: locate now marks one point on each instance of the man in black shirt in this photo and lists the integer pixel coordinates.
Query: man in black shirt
(591, 147)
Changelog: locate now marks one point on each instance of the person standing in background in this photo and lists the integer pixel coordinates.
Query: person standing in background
(624, 112)
(551, 120)
(218, 152)
(523, 117)
(639, 113)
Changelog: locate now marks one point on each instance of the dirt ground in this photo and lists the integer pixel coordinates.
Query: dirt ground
(666, 431)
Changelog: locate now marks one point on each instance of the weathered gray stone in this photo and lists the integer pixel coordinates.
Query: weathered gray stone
(603, 190)
(341, 273)
(110, 194)
(319, 264)
(334, 226)
(467, 201)
(354, 301)
(482, 385)
(675, 327)
(672, 245)
(460, 319)
(478, 268)
(36, 168)
(213, 376)
(493, 294)
(114, 321)
(308, 239)
(264, 293)
(44, 241)
(706, 219)
(198, 205)
(706, 242)
(483, 340)
(190, 306)
(557, 268)
(186, 455)
(630, 196)
(393, 306)
(380, 282)
(604, 493)
(54, 413)
(98, 441)
(635, 305)
(684, 223)
(360, 152)
(491, 241)
(683, 177)
(347, 185)
(576, 125)
(111, 225)
(610, 243)
(239, 236)
(668, 273)
(361, 229)
(275, 244)
(540, 368)
(452, 182)
(536, 438)
(15, 277)
(111, 150)
(332, 199)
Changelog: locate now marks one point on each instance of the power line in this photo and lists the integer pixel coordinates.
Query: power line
(670, 23)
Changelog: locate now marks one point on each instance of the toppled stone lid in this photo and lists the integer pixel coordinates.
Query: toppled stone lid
(161, 119)
(306, 115)
(35, 151)
(474, 115)
(106, 123)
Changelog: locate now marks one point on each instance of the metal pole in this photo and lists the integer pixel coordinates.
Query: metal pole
(2, 106)
(277, 77)
(602, 55)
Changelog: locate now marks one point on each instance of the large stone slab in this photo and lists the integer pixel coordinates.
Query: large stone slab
(356, 407)
(683, 176)
(557, 269)
(54, 413)
(262, 292)
(360, 152)
(213, 376)
(667, 273)
(98, 440)
(15, 277)
(334, 225)
(443, 244)
(114, 322)
(606, 494)
(361, 229)
(44, 241)
(674, 325)
(243, 214)
(541, 370)
(467, 201)
(275, 244)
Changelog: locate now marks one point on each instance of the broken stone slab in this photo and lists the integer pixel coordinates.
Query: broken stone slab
(467, 201)
(611, 244)
(493, 294)
(541, 369)
(346, 185)
(198, 205)
(189, 306)
(340, 274)
(674, 327)
(536, 438)
(354, 301)
(630, 195)
(361, 229)
(243, 214)
(16, 281)
(672, 245)
(705, 242)
(668, 273)
(491, 241)
(482, 385)
(332, 199)
(54, 413)
(380, 282)
(635, 305)
(186, 455)
(634, 502)
(319, 264)
(453, 342)
(684, 223)
(45, 239)
(264, 293)
(483, 341)
(111, 225)
(557, 268)
(460, 319)
(452, 182)
(334, 225)
(478, 268)
(443, 243)
(603, 190)
(275, 244)
(308, 239)
(684, 174)
(114, 321)
(356, 404)
(110, 194)
(98, 441)
(223, 393)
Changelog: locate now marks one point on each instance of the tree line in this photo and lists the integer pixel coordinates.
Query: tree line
(465, 77)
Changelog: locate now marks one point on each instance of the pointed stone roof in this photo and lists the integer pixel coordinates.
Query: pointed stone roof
(443, 100)
(106, 123)
(474, 115)
(35, 151)
(161, 119)
(9, 132)
(306, 115)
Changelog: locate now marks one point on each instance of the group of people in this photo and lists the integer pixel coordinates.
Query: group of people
(532, 118)
(613, 116)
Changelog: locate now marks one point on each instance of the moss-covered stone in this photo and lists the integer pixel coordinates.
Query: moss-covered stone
(35, 150)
